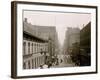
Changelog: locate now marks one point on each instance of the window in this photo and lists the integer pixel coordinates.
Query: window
(28, 48)
(32, 48)
(35, 47)
(29, 66)
(24, 65)
(24, 48)
(32, 64)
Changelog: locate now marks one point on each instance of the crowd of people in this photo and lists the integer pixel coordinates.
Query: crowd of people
(49, 63)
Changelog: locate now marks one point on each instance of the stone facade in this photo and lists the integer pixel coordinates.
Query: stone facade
(38, 42)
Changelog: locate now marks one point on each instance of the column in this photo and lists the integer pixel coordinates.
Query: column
(35, 47)
(26, 64)
(34, 63)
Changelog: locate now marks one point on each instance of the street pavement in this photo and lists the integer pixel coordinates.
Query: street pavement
(66, 62)
(63, 64)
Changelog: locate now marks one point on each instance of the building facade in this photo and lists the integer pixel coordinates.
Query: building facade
(34, 51)
(85, 45)
(39, 42)
(72, 36)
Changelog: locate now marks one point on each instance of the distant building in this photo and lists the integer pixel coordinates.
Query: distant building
(72, 36)
(38, 42)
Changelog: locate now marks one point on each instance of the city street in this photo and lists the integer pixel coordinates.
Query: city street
(64, 61)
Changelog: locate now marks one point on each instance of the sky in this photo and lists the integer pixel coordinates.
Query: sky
(60, 20)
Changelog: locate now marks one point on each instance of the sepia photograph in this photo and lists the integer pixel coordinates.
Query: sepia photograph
(53, 39)
(56, 39)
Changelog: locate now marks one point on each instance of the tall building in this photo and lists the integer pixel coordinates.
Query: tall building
(85, 37)
(85, 45)
(72, 36)
(38, 42)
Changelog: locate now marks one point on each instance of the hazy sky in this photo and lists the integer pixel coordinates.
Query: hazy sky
(60, 20)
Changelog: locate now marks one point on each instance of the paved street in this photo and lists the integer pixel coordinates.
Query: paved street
(64, 61)
(64, 65)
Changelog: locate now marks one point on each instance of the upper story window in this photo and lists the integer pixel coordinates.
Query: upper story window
(32, 47)
(24, 48)
(29, 48)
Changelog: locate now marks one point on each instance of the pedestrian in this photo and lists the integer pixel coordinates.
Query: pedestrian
(50, 64)
(61, 61)
(40, 67)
